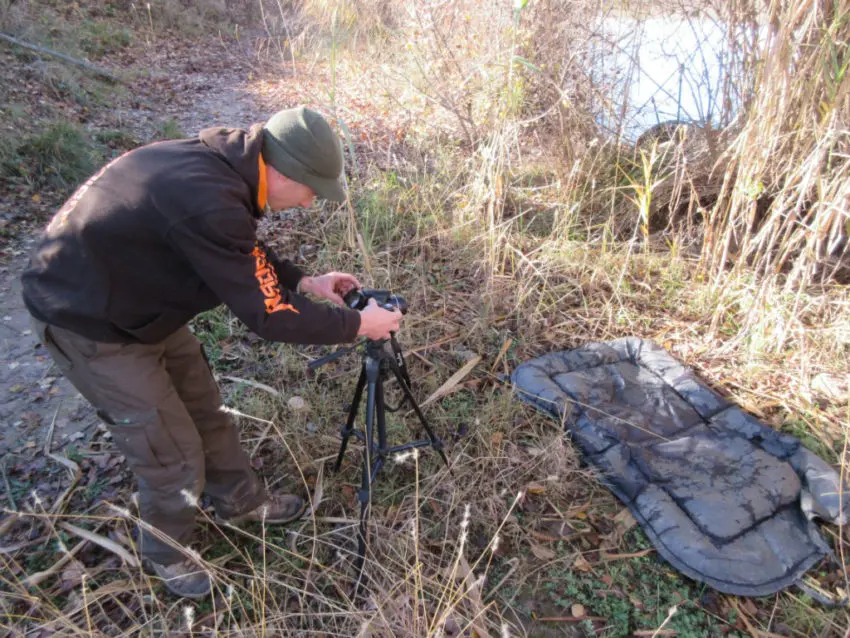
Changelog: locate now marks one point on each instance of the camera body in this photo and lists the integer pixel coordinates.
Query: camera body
(358, 298)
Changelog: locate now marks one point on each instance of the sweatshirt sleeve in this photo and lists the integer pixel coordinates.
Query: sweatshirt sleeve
(288, 274)
(223, 249)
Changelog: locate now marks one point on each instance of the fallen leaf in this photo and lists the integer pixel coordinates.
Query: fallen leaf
(624, 520)
(474, 597)
(581, 564)
(546, 538)
(535, 488)
(318, 489)
(543, 553)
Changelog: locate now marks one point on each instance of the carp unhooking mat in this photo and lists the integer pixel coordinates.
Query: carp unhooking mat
(723, 497)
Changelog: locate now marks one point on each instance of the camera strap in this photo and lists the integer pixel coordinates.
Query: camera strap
(397, 364)
(398, 361)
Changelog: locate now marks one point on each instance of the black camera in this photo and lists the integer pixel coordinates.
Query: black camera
(358, 298)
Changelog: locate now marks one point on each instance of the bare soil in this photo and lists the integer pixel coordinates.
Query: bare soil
(195, 91)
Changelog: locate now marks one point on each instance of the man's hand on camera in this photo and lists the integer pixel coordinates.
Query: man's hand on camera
(333, 286)
(377, 323)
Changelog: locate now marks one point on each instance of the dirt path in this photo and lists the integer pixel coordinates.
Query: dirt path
(32, 390)
(196, 92)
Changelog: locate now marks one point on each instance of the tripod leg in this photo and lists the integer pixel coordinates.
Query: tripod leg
(348, 428)
(371, 377)
(436, 442)
(361, 547)
(381, 418)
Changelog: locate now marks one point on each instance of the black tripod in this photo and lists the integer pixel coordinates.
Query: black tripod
(379, 359)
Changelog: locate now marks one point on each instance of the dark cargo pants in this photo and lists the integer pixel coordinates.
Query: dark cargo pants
(161, 404)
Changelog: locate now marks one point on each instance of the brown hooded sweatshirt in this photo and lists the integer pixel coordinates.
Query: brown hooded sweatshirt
(167, 231)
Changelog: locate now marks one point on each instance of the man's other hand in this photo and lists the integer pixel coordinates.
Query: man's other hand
(333, 286)
(378, 323)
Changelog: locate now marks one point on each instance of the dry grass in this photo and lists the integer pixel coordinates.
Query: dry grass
(485, 191)
(472, 551)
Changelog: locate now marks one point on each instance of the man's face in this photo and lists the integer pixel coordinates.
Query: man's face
(285, 193)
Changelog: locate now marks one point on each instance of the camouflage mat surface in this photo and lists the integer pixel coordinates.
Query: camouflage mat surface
(724, 498)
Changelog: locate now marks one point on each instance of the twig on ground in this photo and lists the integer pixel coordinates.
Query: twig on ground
(253, 384)
(755, 633)
(569, 618)
(16, 547)
(33, 580)
(337, 520)
(505, 346)
(263, 436)
(73, 468)
(67, 58)
(423, 359)
(428, 346)
(514, 563)
(103, 542)
(452, 381)
(670, 613)
(609, 557)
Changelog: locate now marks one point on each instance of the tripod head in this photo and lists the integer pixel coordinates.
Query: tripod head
(371, 347)
(358, 299)
(375, 349)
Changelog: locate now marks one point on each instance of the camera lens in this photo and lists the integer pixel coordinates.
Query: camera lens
(355, 299)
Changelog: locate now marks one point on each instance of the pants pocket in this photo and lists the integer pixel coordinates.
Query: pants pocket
(136, 435)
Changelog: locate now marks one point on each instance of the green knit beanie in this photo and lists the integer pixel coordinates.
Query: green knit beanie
(300, 144)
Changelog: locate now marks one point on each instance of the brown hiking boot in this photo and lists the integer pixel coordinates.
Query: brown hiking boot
(184, 579)
(278, 509)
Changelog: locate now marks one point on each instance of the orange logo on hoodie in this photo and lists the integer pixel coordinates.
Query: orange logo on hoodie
(269, 286)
